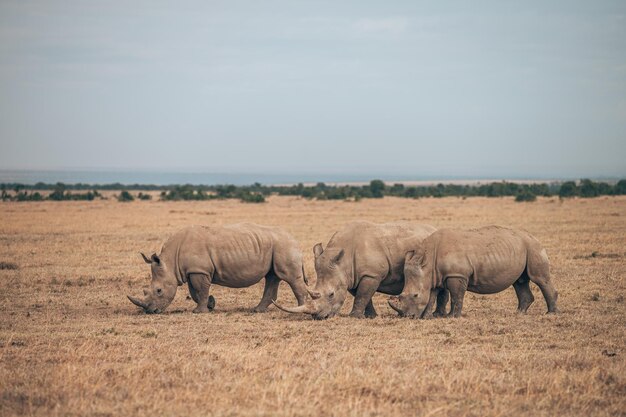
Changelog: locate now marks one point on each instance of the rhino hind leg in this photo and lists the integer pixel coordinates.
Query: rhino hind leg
(549, 292)
(524, 296)
(442, 302)
(270, 292)
(538, 270)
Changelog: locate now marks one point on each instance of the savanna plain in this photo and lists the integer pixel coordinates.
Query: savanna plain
(72, 344)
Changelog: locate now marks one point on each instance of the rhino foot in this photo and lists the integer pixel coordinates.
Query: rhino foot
(357, 315)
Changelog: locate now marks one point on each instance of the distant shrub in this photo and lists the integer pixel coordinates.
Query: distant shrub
(525, 195)
(186, 192)
(568, 189)
(143, 196)
(588, 188)
(252, 198)
(59, 192)
(125, 196)
(377, 188)
(24, 196)
(620, 188)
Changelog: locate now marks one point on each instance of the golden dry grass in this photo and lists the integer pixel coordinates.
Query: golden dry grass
(71, 343)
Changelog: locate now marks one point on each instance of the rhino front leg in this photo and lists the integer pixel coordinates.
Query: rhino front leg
(194, 297)
(427, 313)
(270, 292)
(201, 284)
(370, 311)
(364, 293)
(457, 287)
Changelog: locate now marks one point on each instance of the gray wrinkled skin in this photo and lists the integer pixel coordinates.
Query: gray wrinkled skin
(360, 259)
(235, 256)
(484, 261)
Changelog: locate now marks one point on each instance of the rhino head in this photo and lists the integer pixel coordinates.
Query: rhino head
(331, 287)
(162, 288)
(414, 298)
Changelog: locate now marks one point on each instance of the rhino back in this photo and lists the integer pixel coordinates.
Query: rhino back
(234, 256)
(492, 258)
(378, 250)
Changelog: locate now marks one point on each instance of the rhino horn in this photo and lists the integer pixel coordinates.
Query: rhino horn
(392, 302)
(304, 308)
(137, 302)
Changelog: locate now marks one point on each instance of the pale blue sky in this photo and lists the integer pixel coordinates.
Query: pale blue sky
(456, 88)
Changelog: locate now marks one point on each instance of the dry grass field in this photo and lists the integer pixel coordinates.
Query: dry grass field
(72, 344)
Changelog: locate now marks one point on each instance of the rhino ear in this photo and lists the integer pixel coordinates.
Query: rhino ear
(318, 250)
(145, 258)
(155, 258)
(420, 255)
(408, 256)
(337, 258)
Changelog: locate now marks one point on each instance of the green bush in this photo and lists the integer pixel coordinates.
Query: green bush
(186, 192)
(525, 195)
(252, 198)
(568, 189)
(125, 196)
(377, 188)
(588, 188)
(59, 192)
(143, 196)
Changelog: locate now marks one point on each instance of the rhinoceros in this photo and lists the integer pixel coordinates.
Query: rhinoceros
(484, 261)
(235, 256)
(361, 259)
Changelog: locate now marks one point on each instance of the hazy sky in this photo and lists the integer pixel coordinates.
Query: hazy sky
(450, 88)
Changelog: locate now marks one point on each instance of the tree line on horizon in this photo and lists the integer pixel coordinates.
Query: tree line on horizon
(257, 192)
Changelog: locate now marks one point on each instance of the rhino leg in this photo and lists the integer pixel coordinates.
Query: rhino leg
(364, 293)
(201, 285)
(427, 313)
(270, 292)
(549, 292)
(442, 301)
(538, 270)
(457, 287)
(194, 296)
(370, 311)
(524, 295)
